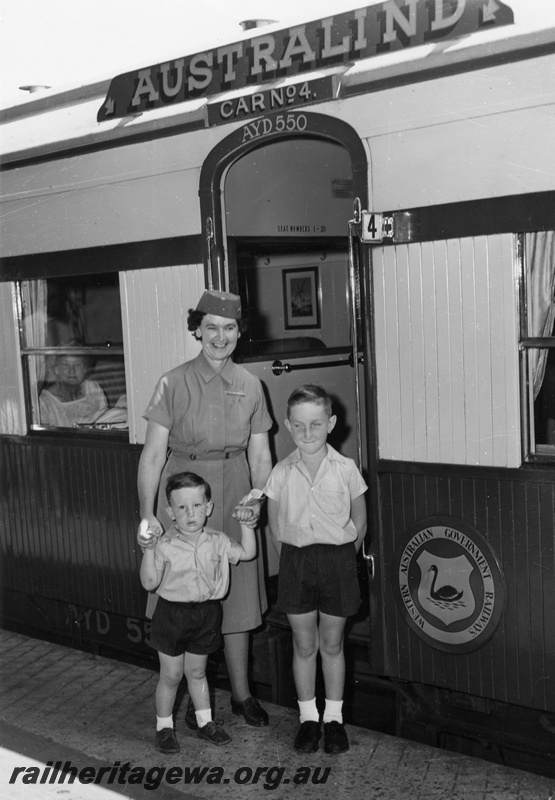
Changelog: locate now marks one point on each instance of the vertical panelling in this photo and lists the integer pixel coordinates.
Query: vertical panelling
(517, 518)
(547, 598)
(446, 332)
(505, 335)
(446, 347)
(471, 391)
(11, 390)
(415, 369)
(541, 498)
(455, 333)
(482, 348)
(387, 342)
(422, 256)
(156, 339)
(68, 518)
(405, 422)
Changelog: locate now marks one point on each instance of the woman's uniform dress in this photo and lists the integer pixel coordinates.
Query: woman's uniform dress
(210, 417)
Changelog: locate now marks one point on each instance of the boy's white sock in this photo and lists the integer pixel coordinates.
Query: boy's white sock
(164, 722)
(203, 717)
(332, 711)
(308, 710)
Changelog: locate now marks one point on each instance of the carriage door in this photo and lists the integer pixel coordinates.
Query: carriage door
(287, 206)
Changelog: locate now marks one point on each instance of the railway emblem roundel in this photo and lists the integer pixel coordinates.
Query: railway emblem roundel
(448, 584)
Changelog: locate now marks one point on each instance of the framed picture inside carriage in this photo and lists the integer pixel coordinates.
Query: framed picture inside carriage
(301, 297)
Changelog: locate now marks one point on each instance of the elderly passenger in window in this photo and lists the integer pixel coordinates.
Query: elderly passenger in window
(71, 399)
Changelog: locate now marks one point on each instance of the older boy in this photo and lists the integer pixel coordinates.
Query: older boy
(317, 514)
(188, 566)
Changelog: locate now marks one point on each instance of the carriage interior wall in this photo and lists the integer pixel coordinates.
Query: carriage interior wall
(112, 231)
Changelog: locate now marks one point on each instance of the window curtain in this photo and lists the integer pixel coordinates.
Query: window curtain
(540, 254)
(34, 298)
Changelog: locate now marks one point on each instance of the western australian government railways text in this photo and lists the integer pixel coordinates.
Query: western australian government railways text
(448, 534)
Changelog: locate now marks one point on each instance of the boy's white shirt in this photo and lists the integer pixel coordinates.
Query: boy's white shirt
(204, 586)
(315, 511)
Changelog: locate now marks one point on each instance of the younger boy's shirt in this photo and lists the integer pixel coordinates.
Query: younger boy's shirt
(195, 571)
(319, 511)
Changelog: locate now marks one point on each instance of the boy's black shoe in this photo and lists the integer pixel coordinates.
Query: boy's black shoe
(308, 737)
(214, 733)
(252, 711)
(191, 717)
(335, 738)
(166, 741)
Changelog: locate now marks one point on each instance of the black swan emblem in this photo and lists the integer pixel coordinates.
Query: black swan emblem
(447, 594)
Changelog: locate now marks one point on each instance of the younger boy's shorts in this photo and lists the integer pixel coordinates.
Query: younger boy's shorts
(319, 576)
(186, 627)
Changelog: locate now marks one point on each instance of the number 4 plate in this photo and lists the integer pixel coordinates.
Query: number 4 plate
(375, 227)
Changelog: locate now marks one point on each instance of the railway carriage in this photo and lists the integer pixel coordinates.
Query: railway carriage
(379, 187)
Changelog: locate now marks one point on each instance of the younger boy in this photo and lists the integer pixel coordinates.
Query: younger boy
(317, 514)
(188, 566)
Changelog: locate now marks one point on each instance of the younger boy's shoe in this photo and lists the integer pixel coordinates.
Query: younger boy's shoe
(191, 717)
(252, 712)
(335, 737)
(308, 737)
(214, 733)
(166, 741)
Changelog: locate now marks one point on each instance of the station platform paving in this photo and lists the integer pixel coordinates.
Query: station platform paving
(69, 714)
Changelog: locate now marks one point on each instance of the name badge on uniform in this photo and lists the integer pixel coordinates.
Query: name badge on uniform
(235, 394)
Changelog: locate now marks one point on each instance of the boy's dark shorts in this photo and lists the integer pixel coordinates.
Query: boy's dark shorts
(186, 627)
(320, 576)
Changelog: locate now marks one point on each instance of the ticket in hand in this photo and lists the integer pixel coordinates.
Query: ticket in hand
(253, 497)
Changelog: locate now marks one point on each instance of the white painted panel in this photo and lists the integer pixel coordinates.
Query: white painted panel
(479, 134)
(504, 343)
(389, 397)
(406, 418)
(127, 193)
(447, 352)
(509, 340)
(470, 358)
(110, 213)
(456, 349)
(415, 367)
(156, 339)
(483, 350)
(423, 257)
(444, 350)
(379, 266)
(12, 406)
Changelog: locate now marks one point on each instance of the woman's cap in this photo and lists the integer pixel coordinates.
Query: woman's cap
(222, 304)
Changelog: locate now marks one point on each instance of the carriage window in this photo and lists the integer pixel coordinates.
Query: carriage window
(72, 350)
(296, 304)
(538, 343)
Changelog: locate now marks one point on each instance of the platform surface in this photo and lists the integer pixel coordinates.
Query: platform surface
(95, 715)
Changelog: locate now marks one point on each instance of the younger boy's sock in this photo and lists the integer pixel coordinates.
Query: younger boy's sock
(308, 710)
(332, 711)
(164, 722)
(204, 716)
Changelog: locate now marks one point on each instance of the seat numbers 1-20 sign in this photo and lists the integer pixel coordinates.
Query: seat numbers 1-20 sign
(375, 227)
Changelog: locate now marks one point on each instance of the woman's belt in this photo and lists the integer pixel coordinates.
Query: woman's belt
(223, 456)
